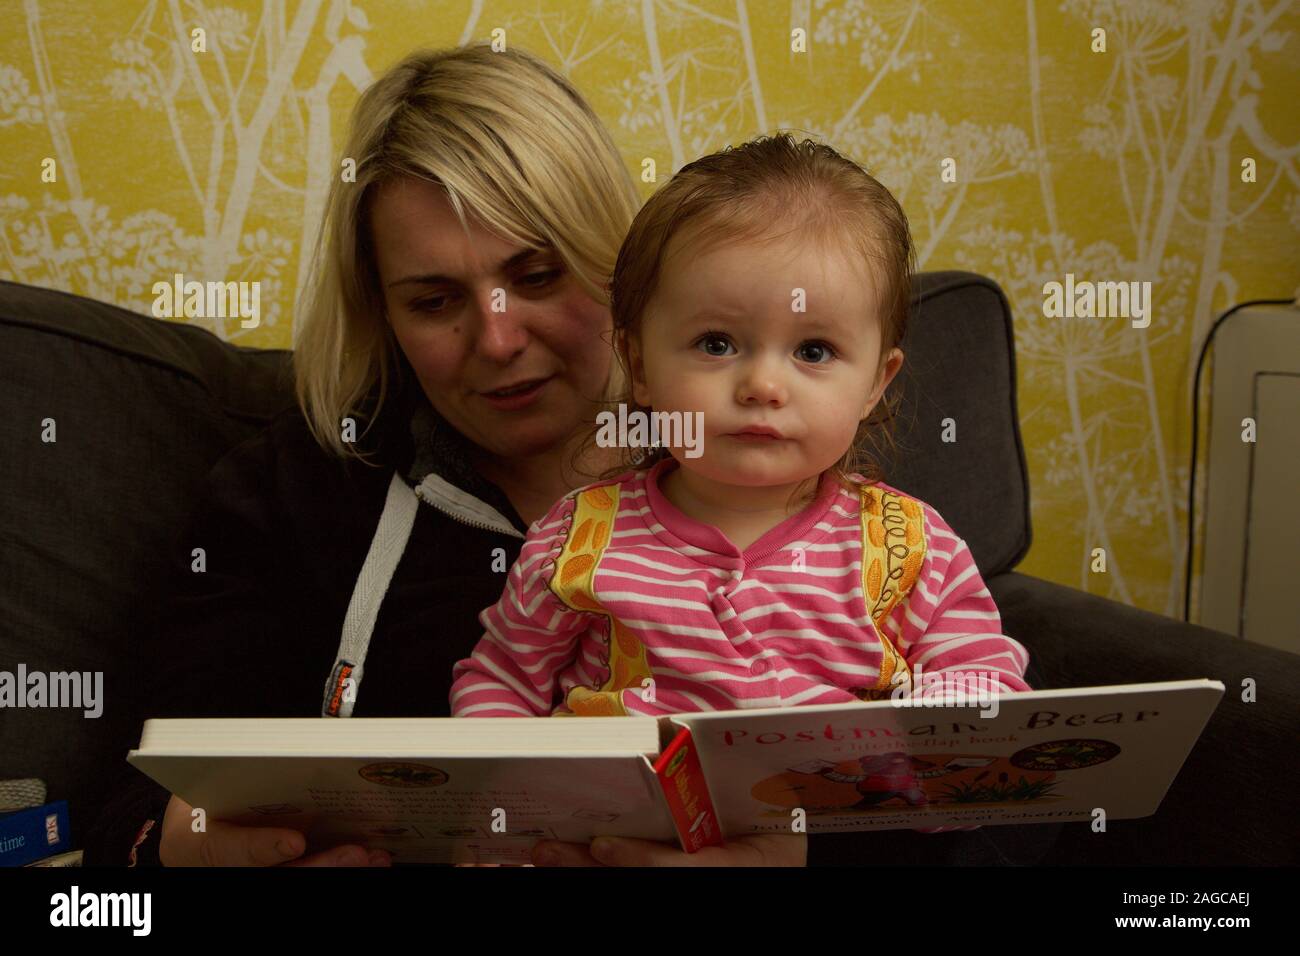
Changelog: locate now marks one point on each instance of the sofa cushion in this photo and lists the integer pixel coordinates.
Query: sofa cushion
(142, 410)
(960, 363)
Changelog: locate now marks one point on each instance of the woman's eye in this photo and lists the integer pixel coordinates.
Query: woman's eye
(537, 280)
(821, 352)
(534, 280)
(711, 339)
(429, 305)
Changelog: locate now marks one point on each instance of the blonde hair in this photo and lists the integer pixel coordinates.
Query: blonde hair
(514, 144)
(736, 194)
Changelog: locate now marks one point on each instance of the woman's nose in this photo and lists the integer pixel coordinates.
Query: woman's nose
(501, 335)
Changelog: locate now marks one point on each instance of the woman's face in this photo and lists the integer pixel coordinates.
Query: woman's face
(475, 314)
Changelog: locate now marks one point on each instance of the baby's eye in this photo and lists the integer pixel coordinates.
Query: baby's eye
(713, 338)
(820, 351)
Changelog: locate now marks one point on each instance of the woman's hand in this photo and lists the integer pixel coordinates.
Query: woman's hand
(758, 850)
(226, 844)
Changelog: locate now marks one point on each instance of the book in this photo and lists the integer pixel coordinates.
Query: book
(445, 790)
(34, 834)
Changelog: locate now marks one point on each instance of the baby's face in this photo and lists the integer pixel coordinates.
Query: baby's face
(723, 335)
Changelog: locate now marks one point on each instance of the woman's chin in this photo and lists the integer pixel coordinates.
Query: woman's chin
(528, 439)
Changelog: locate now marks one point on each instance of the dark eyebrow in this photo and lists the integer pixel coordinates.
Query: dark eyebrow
(433, 278)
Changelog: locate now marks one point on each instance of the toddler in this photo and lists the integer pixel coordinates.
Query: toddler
(763, 293)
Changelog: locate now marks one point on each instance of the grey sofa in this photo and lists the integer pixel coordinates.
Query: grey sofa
(144, 408)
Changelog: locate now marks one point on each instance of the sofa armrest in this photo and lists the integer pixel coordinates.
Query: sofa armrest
(1235, 799)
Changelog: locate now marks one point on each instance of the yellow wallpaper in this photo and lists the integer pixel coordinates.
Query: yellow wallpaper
(1122, 165)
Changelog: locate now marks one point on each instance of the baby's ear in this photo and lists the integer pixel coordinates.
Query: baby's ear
(889, 368)
(636, 369)
(871, 403)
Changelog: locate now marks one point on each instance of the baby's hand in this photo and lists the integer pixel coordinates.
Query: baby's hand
(942, 829)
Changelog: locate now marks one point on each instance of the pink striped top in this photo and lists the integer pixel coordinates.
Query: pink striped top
(783, 623)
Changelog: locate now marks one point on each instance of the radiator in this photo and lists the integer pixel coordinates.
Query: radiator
(1250, 570)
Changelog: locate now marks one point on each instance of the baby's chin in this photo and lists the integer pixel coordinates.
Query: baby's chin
(735, 470)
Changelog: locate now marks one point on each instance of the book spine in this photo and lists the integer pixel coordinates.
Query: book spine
(682, 779)
(34, 834)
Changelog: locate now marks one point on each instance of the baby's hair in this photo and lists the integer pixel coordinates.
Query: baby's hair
(736, 195)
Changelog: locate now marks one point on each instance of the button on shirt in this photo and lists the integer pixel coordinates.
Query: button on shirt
(782, 623)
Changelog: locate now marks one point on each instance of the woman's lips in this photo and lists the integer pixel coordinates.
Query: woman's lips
(517, 400)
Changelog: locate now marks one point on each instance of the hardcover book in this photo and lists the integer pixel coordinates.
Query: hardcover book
(443, 790)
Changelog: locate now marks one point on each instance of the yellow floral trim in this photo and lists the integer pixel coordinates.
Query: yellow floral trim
(572, 583)
(893, 552)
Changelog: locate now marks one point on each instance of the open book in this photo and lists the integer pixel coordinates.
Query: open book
(439, 790)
